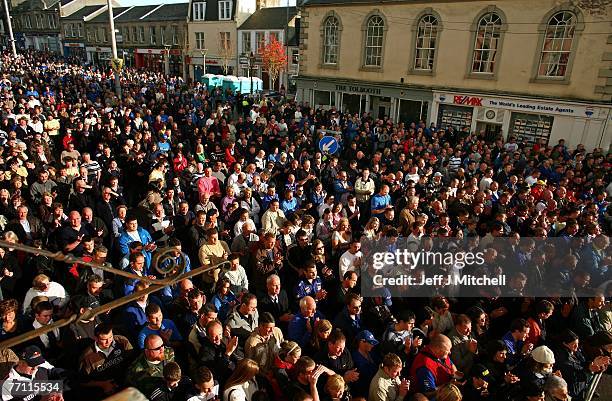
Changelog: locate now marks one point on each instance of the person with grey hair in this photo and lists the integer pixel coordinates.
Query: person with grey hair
(555, 389)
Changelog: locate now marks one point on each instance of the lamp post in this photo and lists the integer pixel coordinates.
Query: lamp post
(111, 20)
(203, 52)
(251, 65)
(167, 59)
(10, 29)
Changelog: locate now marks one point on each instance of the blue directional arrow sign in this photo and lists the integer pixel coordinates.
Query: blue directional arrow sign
(329, 145)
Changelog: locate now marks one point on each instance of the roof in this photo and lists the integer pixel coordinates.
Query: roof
(170, 12)
(135, 13)
(307, 3)
(104, 16)
(82, 13)
(35, 5)
(270, 18)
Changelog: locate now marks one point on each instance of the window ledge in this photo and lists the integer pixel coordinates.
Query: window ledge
(370, 68)
(329, 66)
(550, 80)
(413, 71)
(489, 77)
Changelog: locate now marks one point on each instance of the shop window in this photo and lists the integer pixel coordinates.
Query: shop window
(531, 128)
(412, 111)
(324, 98)
(455, 116)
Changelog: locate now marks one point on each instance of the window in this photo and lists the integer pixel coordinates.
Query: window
(225, 42)
(134, 34)
(126, 34)
(162, 35)
(557, 46)
(199, 37)
(103, 36)
(67, 30)
(246, 42)
(152, 35)
(199, 11)
(39, 22)
(374, 41)
(427, 34)
(141, 33)
(95, 31)
(225, 10)
(486, 44)
(28, 22)
(295, 56)
(272, 36)
(79, 32)
(89, 36)
(52, 22)
(331, 40)
(175, 36)
(73, 30)
(260, 38)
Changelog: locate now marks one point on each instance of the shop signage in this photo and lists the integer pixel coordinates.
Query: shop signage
(98, 49)
(74, 44)
(519, 105)
(358, 89)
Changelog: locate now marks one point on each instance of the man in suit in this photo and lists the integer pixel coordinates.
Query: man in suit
(276, 302)
(28, 228)
(105, 207)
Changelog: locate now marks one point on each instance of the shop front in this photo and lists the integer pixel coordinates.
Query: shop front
(75, 50)
(155, 60)
(98, 55)
(530, 121)
(400, 103)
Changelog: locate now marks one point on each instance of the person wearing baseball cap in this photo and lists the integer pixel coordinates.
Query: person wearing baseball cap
(31, 366)
(366, 361)
(477, 388)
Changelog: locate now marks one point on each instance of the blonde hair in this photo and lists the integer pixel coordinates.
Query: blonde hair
(39, 280)
(323, 325)
(334, 383)
(288, 348)
(246, 370)
(448, 392)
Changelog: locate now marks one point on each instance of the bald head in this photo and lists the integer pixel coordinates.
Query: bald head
(308, 306)
(440, 345)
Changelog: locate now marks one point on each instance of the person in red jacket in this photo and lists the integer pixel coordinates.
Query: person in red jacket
(432, 366)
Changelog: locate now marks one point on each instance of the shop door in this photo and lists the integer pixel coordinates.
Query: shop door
(490, 130)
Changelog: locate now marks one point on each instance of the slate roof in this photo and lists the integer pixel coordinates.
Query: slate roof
(170, 12)
(270, 18)
(135, 13)
(104, 16)
(307, 3)
(82, 13)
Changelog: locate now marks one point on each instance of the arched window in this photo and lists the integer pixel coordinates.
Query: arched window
(426, 37)
(486, 43)
(374, 41)
(331, 40)
(557, 45)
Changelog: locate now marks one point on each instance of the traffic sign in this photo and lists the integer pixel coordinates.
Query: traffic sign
(117, 64)
(329, 145)
(243, 60)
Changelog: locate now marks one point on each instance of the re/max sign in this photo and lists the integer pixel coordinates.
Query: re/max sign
(468, 100)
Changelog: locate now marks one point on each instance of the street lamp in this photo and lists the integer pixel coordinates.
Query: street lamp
(203, 52)
(251, 66)
(10, 29)
(167, 59)
(111, 20)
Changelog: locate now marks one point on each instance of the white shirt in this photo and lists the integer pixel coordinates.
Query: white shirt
(347, 263)
(56, 294)
(45, 338)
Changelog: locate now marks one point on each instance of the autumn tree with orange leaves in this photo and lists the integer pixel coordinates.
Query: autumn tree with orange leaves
(274, 59)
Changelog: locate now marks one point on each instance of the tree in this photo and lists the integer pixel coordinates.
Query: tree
(226, 51)
(274, 59)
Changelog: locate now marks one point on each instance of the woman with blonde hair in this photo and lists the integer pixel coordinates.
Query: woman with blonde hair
(372, 229)
(335, 389)
(341, 237)
(282, 369)
(241, 384)
(448, 392)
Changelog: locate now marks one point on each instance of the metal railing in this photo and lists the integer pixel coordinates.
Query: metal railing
(173, 270)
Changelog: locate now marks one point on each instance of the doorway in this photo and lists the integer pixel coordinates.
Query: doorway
(491, 130)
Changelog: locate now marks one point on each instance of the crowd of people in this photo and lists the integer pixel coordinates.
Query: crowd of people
(221, 177)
